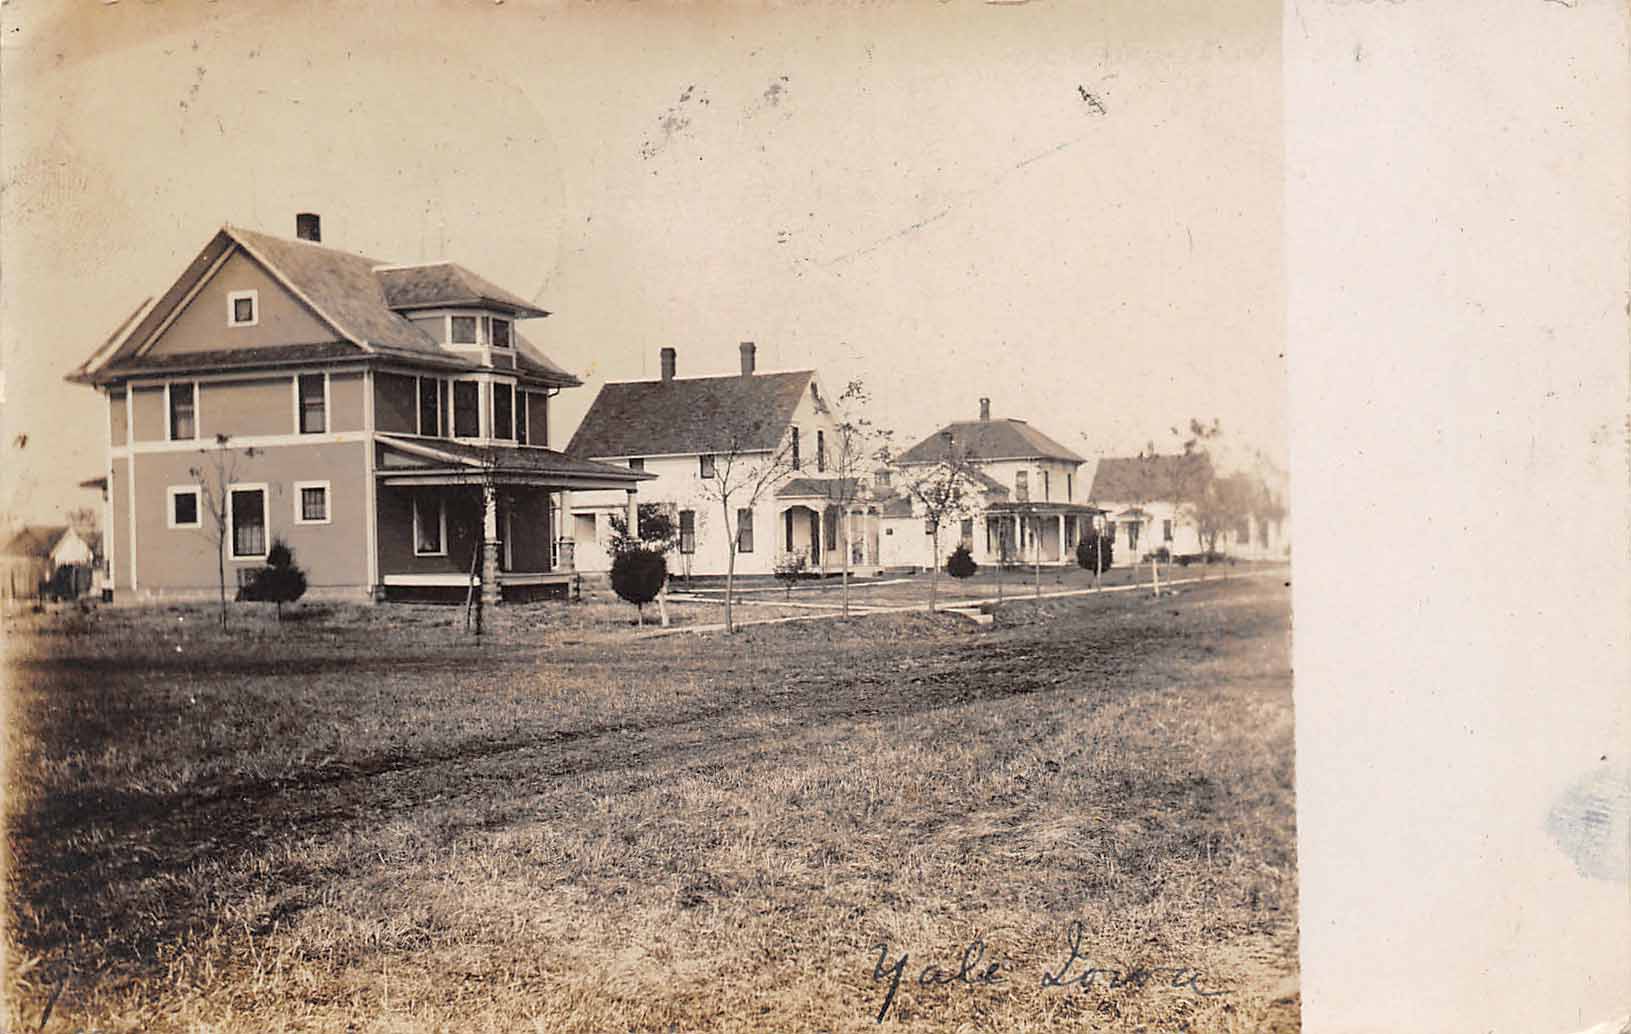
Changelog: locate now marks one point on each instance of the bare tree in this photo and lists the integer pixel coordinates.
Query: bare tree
(944, 493)
(215, 477)
(857, 444)
(752, 457)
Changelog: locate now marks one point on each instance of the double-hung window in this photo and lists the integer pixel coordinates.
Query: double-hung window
(521, 428)
(311, 502)
(463, 330)
(466, 409)
(821, 451)
(705, 465)
(312, 392)
(247, 513)
(744, 531)
(183, 406)
(430, 407)
(688, 531)
(429, 526)
(503, 410)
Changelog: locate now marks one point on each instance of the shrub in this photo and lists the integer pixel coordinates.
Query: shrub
(790, 568)
(1089, 555)
(961, 562)
(279, 582)
(638, 575)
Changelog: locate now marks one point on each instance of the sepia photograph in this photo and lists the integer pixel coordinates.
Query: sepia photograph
(635, 517)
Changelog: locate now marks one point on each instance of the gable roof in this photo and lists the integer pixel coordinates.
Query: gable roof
(690, 415)
(987, 440)
(348, 292)
(1131, 479)
(34, 540)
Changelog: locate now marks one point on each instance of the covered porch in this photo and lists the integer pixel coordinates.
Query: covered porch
(1036, 533)
(819, 516)
(453, 518)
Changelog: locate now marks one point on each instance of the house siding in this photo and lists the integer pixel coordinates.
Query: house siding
(346, 395)
(147, 414)
(117, 415)
(182, 561)
(537, 418)
(119, 500)
(241, 408)
(282, 318)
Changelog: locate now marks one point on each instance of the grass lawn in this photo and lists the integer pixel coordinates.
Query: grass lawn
(366, 821)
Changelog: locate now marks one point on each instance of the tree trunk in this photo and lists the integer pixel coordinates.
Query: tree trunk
(662, 604)
(221, 572)
(844, 545)
(640, 615)
(934, 572)
(1036, 544)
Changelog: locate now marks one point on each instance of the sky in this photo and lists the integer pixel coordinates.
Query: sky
(1074, 210)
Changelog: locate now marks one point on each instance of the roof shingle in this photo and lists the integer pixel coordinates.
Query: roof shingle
(691, 415)
(986, 440)
(1132, 479)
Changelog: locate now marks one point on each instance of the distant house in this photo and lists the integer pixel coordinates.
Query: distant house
(49, 559)
(1156, 502)
(1026, 504)
(1148, 502)
(676, 428)
(399, 417)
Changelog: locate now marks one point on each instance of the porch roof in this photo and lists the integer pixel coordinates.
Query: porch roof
(413, 461)
(1045, 508)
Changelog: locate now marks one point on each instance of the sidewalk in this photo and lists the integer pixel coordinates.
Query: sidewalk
(960, 607)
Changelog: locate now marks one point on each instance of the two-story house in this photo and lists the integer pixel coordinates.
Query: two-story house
(390, 423)
(681, 428)
(1021, 495)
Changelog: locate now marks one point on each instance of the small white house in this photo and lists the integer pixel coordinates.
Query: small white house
(681, 428)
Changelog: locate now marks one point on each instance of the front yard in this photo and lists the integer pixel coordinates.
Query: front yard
(366, 820)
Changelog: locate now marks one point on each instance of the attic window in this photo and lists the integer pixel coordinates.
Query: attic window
(463, 331)
(501, 333)
(243, 308)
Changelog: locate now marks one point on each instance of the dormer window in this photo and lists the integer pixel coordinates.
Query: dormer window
(463, 331)
(243, 308)
(501, 334)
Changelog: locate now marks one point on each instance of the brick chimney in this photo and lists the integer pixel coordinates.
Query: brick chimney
(985, 409)
(748, 350)
(667, 355)
(308, 226)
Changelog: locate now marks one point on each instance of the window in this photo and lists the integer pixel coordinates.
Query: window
(1044, 486)
(1132, 534)
(503, 411)
(1166, 531)
(521, 398)
(429, 526)
(688, 531)
(183, 411)
(821, 450)
(243, 309)
(430, 407)
(967, 532)
(881, 478)
(795, 448)
(1070, 487)
(705, 466)
(466, 409)
(829, 522)
(501, 334)
(181, 507)
(311, 502)
(247, 516)
(312, 402)
(744, 531)
(637, 463)
(463, 331)
(1022, 486)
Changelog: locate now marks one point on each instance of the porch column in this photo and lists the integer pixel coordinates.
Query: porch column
(633, 516)
(565, 545)
(1061, 538)
(489, 546)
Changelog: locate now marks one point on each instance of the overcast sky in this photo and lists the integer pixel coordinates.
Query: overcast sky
(920, 196)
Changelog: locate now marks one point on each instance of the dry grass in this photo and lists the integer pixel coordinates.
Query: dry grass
(369, 822)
